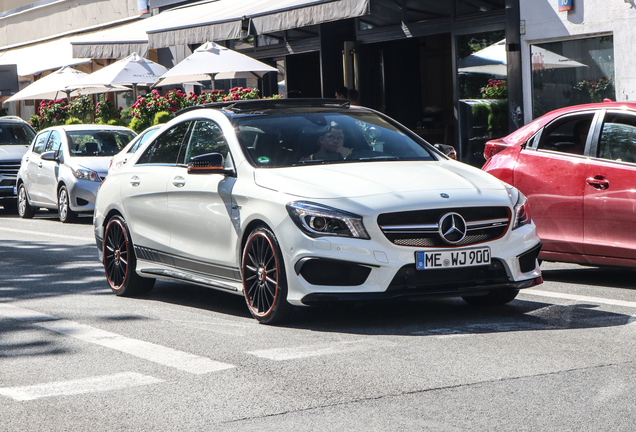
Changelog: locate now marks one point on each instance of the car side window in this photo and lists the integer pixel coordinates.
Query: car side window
(618, 138)
(54, 143)
(40, 142)
(567, 135)
(142, 140)
(166, 148)
(206, 137)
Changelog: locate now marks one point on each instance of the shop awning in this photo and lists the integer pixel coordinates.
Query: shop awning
(45, 56)
(223, 19)
(117, 42)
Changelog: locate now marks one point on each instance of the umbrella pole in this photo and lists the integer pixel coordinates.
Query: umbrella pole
(134, 91)
(212, 78)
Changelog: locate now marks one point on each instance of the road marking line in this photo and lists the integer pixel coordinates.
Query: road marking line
(581, 298)
(146, 350)
(293, 353)
(89, 239)
(79, 386)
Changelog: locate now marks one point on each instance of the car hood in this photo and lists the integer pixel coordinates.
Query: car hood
(97, 163)
(12, 152)
(375, 178)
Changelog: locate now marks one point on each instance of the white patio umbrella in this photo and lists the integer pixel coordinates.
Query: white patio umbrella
(212, 61)
(492, 60)
(56, 85)
(133, 70)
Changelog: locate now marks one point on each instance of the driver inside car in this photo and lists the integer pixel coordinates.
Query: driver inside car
(331, 144)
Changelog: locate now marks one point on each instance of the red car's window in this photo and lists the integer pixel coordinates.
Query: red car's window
(567, 135)
(618, 138)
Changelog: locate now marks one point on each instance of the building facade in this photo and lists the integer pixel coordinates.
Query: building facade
(457, 72)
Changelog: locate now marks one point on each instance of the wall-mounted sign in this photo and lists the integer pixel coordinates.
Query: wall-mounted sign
(565, 5)
(142, 6)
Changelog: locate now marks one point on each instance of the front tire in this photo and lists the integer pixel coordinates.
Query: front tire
(264, 280)
(65, 213)
(120, 262)
(493, 298)
(25, 210)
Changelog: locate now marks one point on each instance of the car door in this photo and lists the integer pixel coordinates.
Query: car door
(201, 208)
(143, 189)
(32, 160)
(48, 172)
(610, 189)
(551, 173)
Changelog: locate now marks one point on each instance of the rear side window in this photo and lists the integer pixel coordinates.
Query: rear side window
(166, 147)
(567, 135)
(618, 138)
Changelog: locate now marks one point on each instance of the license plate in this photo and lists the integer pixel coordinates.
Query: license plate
(452, 258)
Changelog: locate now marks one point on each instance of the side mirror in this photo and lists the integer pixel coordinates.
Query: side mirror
(49, 156)
(210, 163)
(448, 150)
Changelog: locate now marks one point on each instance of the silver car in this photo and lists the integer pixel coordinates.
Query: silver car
(15, 137)
(64, 167)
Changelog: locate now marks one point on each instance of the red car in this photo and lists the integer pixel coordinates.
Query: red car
(577, 167)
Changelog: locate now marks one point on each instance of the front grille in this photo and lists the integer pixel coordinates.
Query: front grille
(9, 168)
(440, 280)
(420, 228)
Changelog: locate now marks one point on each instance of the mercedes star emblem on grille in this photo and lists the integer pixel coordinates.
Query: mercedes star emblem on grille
(452, 228)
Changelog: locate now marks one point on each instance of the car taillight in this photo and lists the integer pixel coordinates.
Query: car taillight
(493, 147)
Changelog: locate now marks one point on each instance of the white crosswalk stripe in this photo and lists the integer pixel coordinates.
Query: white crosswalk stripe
(146, 350)
(79, 386)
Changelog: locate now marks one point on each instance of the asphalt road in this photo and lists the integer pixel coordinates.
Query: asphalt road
(74, 357)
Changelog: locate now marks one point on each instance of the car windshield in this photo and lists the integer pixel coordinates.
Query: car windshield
(15, 134)
(310, 138)
(97, 142)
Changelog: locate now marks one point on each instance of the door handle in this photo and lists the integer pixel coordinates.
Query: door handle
(178, 181)
(598, 182)
(134, 181)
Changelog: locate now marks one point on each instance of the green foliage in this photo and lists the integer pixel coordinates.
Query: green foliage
(105, 111)
(82, 108)
(138, 124)
(498, 118)
(147, 106)
(480, 113)
(495, 89)
(73, 120)
(587, 91)
(161, 117)
(117, 122)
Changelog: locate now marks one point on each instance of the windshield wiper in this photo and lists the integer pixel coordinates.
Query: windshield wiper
(377, 158)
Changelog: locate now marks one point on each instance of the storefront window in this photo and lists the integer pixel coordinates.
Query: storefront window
(472, 7)
(572, 72)
(483, 92)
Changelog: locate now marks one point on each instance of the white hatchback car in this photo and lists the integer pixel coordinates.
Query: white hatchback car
(124, 154)
(65, 166)
(296, 202)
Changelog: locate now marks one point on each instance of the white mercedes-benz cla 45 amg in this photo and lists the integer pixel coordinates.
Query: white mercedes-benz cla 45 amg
(297, 202)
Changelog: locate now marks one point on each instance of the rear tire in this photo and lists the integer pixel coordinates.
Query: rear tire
(25, 210)
(493, 298)
(120, 262)
(65, 213)
(264, 280)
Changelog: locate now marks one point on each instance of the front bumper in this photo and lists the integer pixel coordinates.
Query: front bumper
(82, 194)
(346, 269)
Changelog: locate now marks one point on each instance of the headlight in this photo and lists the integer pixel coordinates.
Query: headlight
(521, 208)
(84, 174)
(317, 220)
